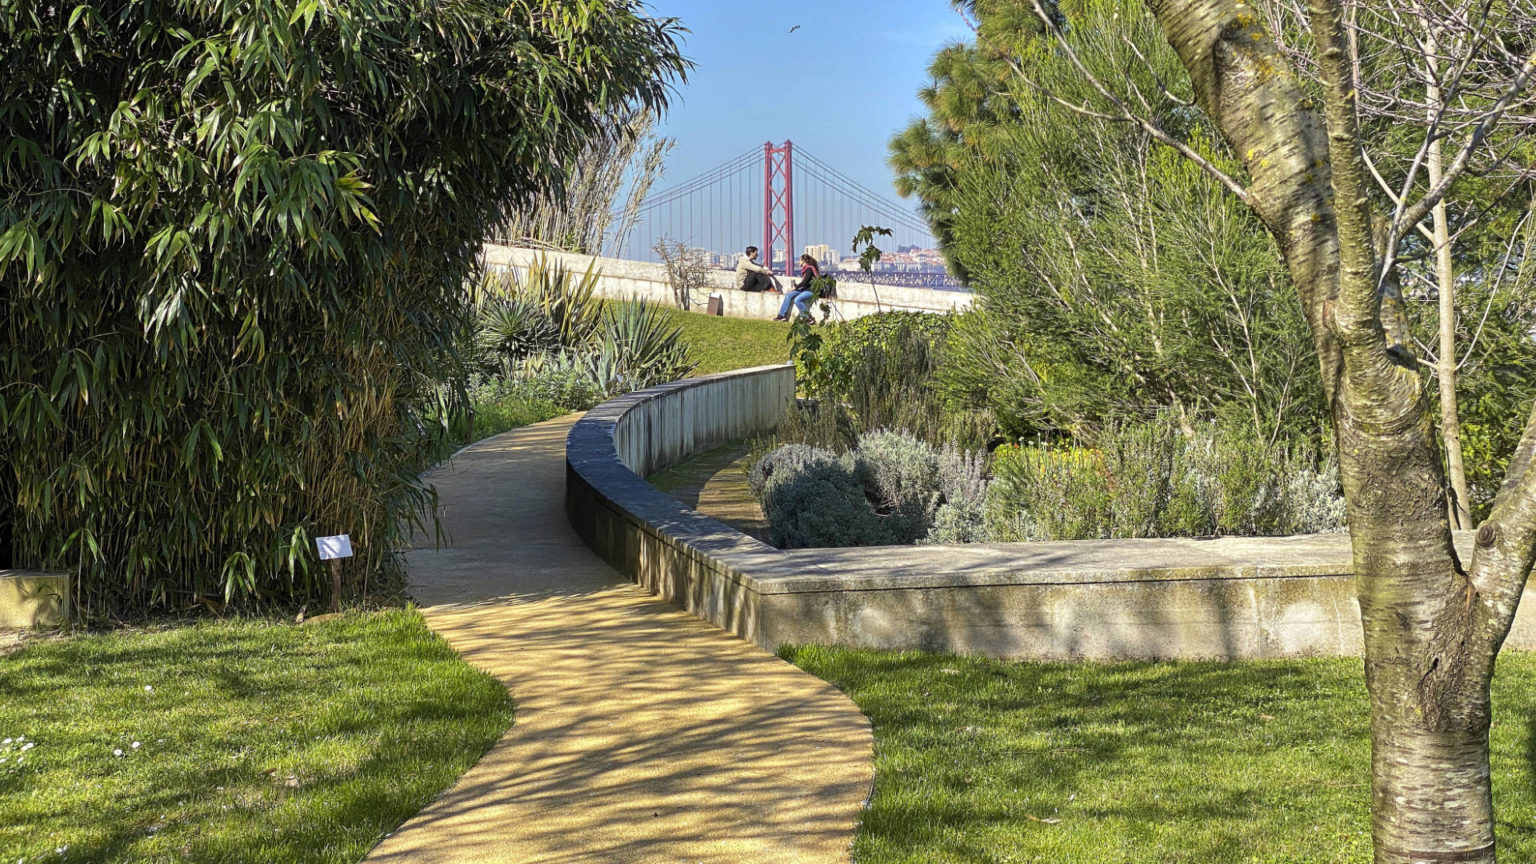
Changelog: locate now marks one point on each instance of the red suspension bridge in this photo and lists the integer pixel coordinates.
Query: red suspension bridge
(775, 197)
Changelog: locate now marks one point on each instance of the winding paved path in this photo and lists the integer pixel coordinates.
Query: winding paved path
(643, 734)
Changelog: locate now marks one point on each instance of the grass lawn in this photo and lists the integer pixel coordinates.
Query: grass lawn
(721, 344)
(234, 741)
(986, 761)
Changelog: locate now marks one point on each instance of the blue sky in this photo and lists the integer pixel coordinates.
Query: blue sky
(840, 86)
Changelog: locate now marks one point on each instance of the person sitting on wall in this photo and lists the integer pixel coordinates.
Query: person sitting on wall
(800, 294)
(752, 276)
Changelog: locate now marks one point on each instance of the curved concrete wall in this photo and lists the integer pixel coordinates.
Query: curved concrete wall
(691, 560)
(1228, 598)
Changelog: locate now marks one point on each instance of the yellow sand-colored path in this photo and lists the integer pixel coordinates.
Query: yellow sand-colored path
(642, 734)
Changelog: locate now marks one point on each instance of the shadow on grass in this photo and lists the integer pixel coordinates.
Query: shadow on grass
(1137, 762)
(254, 741)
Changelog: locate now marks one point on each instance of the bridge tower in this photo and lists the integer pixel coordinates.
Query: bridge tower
(779, 203)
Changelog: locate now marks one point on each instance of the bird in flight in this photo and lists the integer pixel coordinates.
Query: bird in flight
(794, 28)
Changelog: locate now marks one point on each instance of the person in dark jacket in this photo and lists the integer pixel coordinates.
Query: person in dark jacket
(801, 293)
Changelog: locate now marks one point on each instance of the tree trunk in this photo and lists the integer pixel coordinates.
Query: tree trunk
(1431, 629)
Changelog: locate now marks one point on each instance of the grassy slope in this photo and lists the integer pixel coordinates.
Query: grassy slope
(1167, 762)
(722, 344)
(257, 742)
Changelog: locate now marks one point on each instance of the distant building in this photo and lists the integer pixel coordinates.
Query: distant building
(823, 253)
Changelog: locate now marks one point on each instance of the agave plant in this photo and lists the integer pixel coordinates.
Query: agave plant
(563, 297)
(510, 327)
(641, 340)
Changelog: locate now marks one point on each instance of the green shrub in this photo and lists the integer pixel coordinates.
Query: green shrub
(785, 461)
(882, 368)
(234, 243)
(911, 333)
(510, 327)
(646, 343)
(1041, 493)
(903, 481)
(900, 473)
(958, 522)
(564, 298)
(820, 423)
(820, 506)
(1154, 480)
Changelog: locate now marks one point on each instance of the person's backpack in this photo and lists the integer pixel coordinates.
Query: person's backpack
(828, 287)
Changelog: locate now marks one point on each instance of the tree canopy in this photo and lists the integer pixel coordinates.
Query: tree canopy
(1114, 281)
(234, 242)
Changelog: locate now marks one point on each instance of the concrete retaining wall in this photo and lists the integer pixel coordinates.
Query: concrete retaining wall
(650, 536)
(1229, 598)
(626, 280)
(29, 599)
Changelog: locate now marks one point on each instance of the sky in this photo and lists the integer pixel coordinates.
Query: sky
(840, 86)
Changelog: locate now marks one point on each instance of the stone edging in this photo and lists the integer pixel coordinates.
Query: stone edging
(693, 561)
(1113, 599)
(32, 599)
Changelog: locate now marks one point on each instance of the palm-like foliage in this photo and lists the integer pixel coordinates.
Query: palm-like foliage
(234, 240)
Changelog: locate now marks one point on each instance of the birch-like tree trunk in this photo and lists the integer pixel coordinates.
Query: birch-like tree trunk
(1432, 626)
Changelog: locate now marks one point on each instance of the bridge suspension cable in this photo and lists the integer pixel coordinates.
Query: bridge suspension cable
(724, 209)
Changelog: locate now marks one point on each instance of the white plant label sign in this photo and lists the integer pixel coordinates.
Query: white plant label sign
(331, 548)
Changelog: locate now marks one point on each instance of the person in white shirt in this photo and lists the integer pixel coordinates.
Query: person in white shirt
(752, 276)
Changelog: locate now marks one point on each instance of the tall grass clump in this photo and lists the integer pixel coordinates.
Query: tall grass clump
(1154, 480)
(879, 372)
(235, 237)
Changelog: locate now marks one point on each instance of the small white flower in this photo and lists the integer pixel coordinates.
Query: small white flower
(7, 741)
(117, 751)
(135, 745)
(29, 745)
(148, 689)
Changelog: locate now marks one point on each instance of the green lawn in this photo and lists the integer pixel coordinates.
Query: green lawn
(722, 344)
(986, 761)
(234, 741)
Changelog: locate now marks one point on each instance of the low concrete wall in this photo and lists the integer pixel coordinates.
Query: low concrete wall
(29, 599)
(650, 536)
(626, 280)
(1228, 598)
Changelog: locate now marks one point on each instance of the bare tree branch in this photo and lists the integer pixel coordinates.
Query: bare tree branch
(1416, 213)
(1123, 112)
